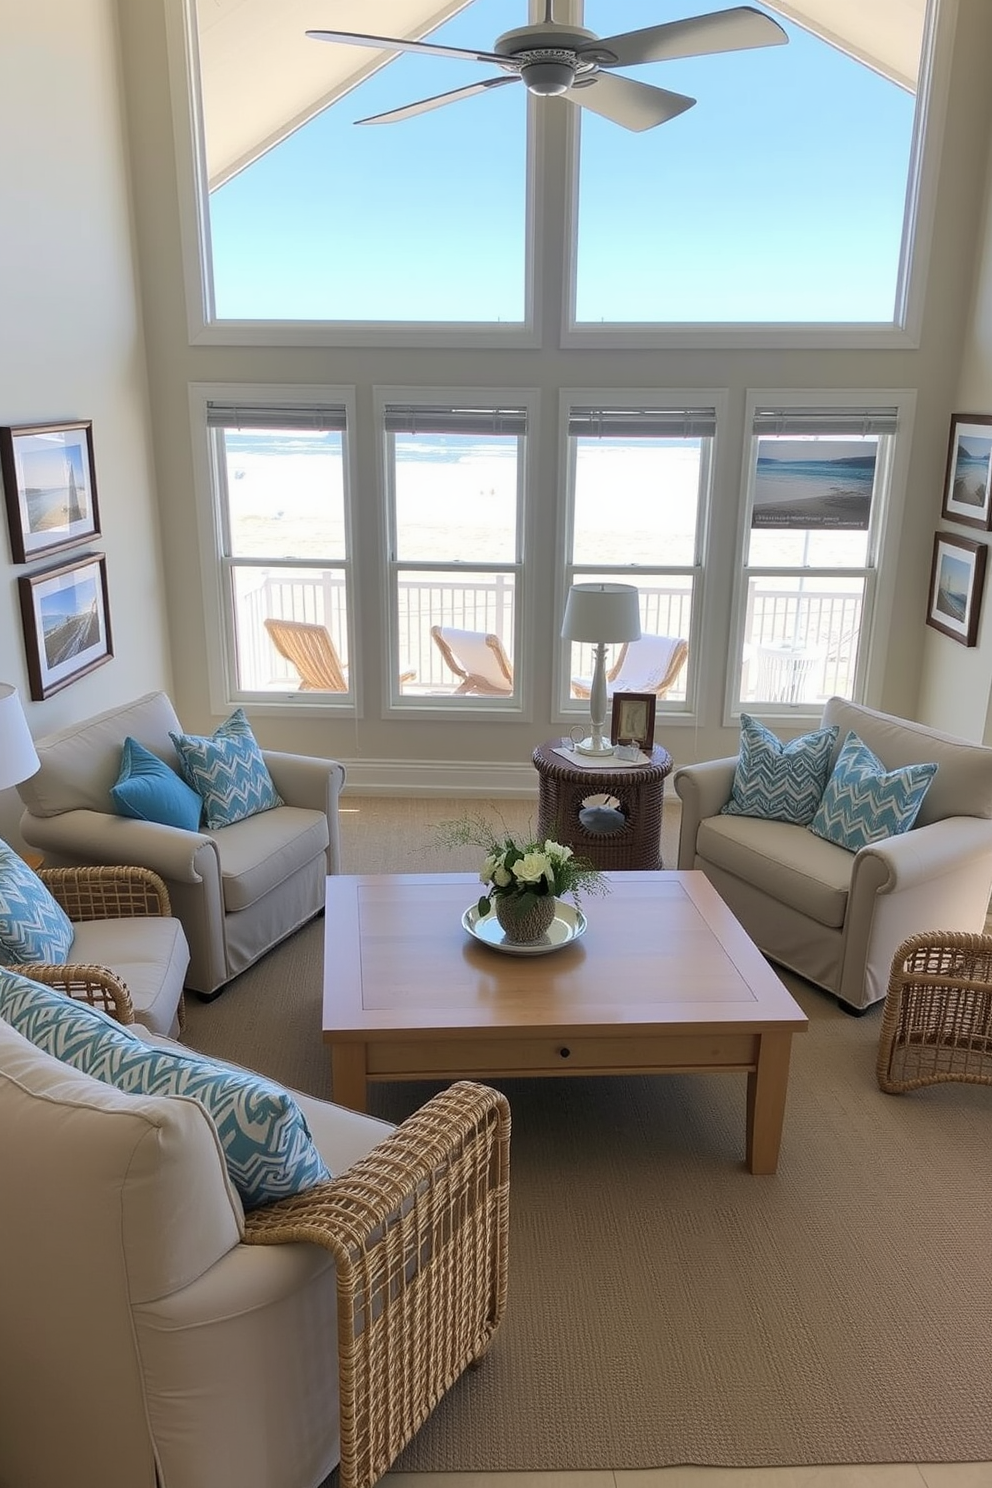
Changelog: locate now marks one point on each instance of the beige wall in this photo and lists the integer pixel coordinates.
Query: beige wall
(956, 682)
(71, 342)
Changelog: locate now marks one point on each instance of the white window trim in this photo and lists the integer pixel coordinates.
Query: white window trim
(220, 643)
(205, 329)
(880, 587)
(901, 333)
(568, 712)
(519, 707)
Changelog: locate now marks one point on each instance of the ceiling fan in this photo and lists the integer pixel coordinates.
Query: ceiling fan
(552, 59)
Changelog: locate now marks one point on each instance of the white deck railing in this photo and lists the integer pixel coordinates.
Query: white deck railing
(822, 622)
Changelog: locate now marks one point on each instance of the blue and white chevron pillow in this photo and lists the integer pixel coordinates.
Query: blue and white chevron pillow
(780, 782)
(227, 772)
(863, 802)
(267, 1144)
(33, 925)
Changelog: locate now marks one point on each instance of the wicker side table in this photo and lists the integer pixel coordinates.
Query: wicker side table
(633, 838)
(937, 1021)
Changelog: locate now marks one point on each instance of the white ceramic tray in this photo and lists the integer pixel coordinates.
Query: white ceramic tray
(568, 924)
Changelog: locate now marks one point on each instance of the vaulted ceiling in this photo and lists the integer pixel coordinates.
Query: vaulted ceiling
(261, 78)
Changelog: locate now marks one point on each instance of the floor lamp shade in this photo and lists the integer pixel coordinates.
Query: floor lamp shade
(600, 614)
(18, 757)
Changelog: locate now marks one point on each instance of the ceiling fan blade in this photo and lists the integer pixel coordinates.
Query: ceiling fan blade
(721, 31)
(348, 38)
(633, 105)
(424, 105)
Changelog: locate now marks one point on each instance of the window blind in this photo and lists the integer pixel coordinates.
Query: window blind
(642, 423)
(420, 418)
(323, 418)
(835, 421)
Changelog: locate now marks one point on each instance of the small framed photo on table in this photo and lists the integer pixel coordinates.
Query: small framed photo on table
(633, 719)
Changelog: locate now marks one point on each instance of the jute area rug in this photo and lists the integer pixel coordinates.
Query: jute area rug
(665, 1306)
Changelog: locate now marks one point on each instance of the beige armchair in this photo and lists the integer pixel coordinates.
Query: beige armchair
(237, 890)
(180, 1342)
(837, 917)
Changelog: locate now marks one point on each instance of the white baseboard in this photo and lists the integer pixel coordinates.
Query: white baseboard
(439, 778)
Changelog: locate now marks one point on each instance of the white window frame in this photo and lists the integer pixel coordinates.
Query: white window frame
(210, 481)
(881, 558)
(567, 709)
(902, 332)
(518, 705)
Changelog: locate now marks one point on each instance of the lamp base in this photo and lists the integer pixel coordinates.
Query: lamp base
(594, 746)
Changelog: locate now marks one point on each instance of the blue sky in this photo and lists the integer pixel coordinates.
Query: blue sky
(779, 196)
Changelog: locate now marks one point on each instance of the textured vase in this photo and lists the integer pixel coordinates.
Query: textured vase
(528, 926)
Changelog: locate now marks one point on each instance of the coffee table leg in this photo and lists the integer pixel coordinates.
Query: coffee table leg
(766, 1091)
(348, 1075)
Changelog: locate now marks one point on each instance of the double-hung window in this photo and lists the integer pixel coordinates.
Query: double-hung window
(281, 521)
(636, 501)
(455, 481)
(817, 484)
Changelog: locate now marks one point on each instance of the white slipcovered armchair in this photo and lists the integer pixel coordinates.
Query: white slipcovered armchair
(837, 917)
(154, 1336)
(237, 890)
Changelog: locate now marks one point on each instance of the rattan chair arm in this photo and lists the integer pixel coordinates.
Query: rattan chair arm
(418, 1230)
(97, 985)
(109, 892)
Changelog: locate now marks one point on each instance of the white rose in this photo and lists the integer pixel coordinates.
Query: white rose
(501, 877)
(488, 868)
(557, 852)
(531, 868)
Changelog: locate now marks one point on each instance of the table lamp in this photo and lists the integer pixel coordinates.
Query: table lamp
(18, 757)
(601, 614)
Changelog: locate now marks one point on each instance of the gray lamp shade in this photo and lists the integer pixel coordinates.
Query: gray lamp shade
(18, 758)
(602, 612)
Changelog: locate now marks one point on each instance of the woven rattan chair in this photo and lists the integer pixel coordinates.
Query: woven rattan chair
(237, 1349)
(477, 657)
(136, 985)
(651, 664)
(311, 651)
(937, 1019)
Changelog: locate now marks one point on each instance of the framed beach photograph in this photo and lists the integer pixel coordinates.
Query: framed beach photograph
(49, 486)
(65, 612)
(967, 484)
(633, 719)
(957, 578)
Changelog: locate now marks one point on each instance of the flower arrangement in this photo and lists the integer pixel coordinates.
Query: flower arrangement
(522, 871)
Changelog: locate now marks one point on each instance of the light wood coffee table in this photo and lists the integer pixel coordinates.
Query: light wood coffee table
(664, 980)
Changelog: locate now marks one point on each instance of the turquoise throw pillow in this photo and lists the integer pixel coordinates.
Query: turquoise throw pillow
(147, 790)
(780, 782)
(33, 925)
(863, 802)
(227, 772)
(264, 1134)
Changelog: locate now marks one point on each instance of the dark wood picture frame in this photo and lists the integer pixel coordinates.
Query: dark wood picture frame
(633, 719)
(957, 582)
(49, 487)
(65, 612)
(968, 477)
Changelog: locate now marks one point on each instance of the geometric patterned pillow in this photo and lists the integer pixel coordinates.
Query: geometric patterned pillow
(776, 781)
(33, 925)
(148, 790)
(227, 772)
(267, 1144)
(863, 802)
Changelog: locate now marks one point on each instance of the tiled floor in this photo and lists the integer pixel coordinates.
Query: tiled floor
(893, 1475)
